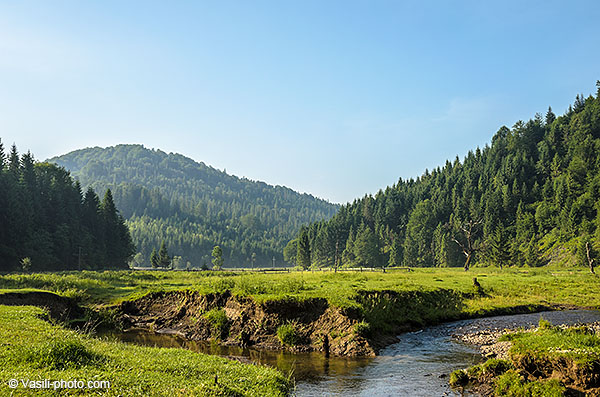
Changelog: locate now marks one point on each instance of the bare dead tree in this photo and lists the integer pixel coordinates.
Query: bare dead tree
(589, 257)
(469, 230)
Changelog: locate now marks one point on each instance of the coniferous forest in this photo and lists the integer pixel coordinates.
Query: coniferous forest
(47, 223)
(529, 198)
(193, 207)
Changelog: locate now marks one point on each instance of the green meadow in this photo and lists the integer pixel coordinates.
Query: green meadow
(36, 350)
(500, 288)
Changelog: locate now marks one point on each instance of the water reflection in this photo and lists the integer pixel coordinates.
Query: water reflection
(418, 365)
(303, 366)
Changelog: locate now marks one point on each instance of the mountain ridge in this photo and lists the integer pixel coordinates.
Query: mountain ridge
(528, 198)
(193, 206)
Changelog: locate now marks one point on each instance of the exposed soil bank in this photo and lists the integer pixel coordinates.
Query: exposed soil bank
(578, 377)
(59, 308)
(318, 326)
(244, 322)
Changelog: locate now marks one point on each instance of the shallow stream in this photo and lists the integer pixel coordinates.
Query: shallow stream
(418, 365)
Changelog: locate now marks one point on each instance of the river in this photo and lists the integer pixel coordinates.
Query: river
(417, 365)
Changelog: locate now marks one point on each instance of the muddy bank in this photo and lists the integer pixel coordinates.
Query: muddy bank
(59, 308)
(316, 325)
(234, 320)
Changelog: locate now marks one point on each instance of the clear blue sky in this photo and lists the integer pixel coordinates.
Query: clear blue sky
(334, 98)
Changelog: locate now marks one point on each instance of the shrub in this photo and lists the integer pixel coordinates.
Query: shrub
(474, 372)
(459, 378)
(495, 367)
(544, 324)
(287, 334)
(362, 329)
(511, 384)
(76, 295)
(26, 264)
(218, 322)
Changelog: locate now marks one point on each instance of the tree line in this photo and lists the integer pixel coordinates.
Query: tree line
(48, 223)
(527, 199)
(193, 207)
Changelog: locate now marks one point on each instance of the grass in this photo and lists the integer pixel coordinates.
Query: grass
(503, 288)
(547, 355)
(387, 302)
(480, 373)
(511, 384)
(34, 349)
(575, 343)
(218, 322)
(362, 328)
(288, 334)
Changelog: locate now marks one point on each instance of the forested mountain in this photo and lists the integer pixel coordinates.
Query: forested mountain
(46, 223)
(530, 197)
(193, 207)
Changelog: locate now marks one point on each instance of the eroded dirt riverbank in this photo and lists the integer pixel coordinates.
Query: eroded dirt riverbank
(572, 366)
(318, 326)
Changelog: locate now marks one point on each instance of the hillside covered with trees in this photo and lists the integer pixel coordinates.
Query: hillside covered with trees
(47, 223)
(194, 207)
(529, 198)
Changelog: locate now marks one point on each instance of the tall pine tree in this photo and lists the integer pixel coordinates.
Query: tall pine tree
(304, 255)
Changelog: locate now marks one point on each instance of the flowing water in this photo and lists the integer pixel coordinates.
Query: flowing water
(418, 365)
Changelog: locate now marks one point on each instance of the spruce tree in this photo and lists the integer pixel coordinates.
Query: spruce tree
(366, 247)
(395, 252)
(119, 248)
(217, 254)
(110, 223)
(499, 247)
(92, 237)
(2, 156)
(348, 253)
(539, 178)
(550, 116)
(289, 252)
(531, 254)
(14, 165)
(303, 255)
(154, 260)
(163, 255)
(44, 217)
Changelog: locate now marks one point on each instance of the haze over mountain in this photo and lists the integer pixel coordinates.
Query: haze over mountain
(193, 207)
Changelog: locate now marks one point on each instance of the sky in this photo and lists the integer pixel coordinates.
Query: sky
(333, 98)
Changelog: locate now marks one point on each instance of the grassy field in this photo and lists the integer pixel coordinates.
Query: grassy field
(34, 350)
(502, 288)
